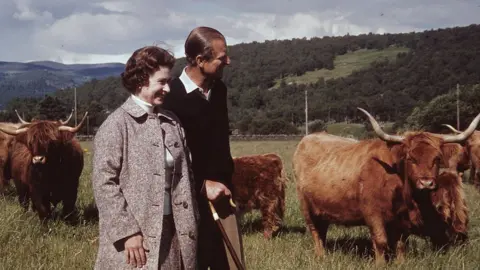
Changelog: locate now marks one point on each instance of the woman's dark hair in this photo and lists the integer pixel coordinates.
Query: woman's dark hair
(199, 42)
(143, 63)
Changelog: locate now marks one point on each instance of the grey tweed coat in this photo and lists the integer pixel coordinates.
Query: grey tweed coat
(128, 183)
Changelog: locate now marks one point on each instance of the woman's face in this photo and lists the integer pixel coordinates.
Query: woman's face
(157, 87)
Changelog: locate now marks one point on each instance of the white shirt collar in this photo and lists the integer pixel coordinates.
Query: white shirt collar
(191, 86)
(144, 105)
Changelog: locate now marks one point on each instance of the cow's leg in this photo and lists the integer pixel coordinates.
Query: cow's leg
(23, 194)
(42, 204)
(379, 238)
(476, 179)
(270, 217)
(396, 243)
(315, 226)
(318, 229)
(70, 198)
(3, 180)
(471, 177)
(321, 227)
(3, 168)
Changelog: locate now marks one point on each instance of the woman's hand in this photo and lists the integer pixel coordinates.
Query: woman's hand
(135, 251)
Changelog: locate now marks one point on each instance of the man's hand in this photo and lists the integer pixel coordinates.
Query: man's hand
(135, 251)
(216, 190)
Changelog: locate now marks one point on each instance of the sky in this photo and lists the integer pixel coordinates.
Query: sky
(91, 31)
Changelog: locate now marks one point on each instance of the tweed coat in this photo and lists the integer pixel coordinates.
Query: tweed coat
(128, 182)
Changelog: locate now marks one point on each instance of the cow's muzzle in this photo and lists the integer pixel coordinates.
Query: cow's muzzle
(39, 160)
(426, 183)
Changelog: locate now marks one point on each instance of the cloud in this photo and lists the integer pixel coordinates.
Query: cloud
(92, 31)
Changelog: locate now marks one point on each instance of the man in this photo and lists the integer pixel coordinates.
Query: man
(199, 99)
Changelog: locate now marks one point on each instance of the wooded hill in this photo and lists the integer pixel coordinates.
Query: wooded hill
(394, 76)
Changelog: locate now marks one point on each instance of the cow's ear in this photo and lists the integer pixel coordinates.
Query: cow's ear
(399, 151)
(21, 138)
(444, 154)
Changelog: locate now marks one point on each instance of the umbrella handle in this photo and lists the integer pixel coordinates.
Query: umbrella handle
(237, 261)
(232, 203)
(214, 212)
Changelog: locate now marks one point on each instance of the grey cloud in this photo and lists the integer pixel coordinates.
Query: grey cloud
(56, 28)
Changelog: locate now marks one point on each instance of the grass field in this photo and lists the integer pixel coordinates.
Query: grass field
(346, 64)
(24, 244)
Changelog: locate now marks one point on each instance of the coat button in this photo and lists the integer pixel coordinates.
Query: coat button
(176, 145)
(185, 205)
(191, 235)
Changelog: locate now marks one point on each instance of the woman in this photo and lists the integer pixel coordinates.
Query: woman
(142, 181)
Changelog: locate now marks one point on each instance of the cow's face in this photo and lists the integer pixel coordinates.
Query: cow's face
(42, 140)
(423, 156)
(421, 151)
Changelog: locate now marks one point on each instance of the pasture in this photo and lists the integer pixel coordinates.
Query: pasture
(25, 244)
(346, 64)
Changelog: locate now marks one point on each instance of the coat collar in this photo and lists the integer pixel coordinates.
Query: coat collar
(132, 108)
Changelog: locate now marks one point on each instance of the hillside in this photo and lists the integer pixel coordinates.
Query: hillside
(35, 79)
(345, 65)
(390, 75)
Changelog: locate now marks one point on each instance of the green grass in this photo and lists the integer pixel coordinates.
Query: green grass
(345, 65)
(25, 244)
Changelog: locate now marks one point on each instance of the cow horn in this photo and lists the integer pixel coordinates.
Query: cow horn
(378, 130)
(21, 120)
(73, 129)
(451, 128)
(68, 119)
(12, 132)
(463, 135)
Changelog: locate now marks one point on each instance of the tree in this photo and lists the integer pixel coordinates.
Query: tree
(96, 113)
(51, 108)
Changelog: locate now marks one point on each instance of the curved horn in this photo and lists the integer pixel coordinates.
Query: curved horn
(12, 132)
(463, 135)
(380, 133)
(21, 120)
(451, 128)
(68, 119)
(73, 129)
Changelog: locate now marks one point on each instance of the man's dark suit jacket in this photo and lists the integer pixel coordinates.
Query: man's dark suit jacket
(207, 130)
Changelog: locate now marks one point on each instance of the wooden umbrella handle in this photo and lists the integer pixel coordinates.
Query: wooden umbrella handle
(237, 261)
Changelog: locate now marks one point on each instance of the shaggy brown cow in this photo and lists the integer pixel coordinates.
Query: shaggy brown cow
(46, 163)
(472, 146)
(5, 144)
(369, 182)
(259, 182)
(443, 211)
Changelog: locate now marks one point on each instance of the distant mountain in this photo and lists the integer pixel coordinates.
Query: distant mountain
(34, 79)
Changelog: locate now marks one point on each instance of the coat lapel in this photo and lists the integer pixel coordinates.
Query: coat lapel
(133, 109)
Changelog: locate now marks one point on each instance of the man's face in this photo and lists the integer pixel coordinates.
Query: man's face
(214, 67)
